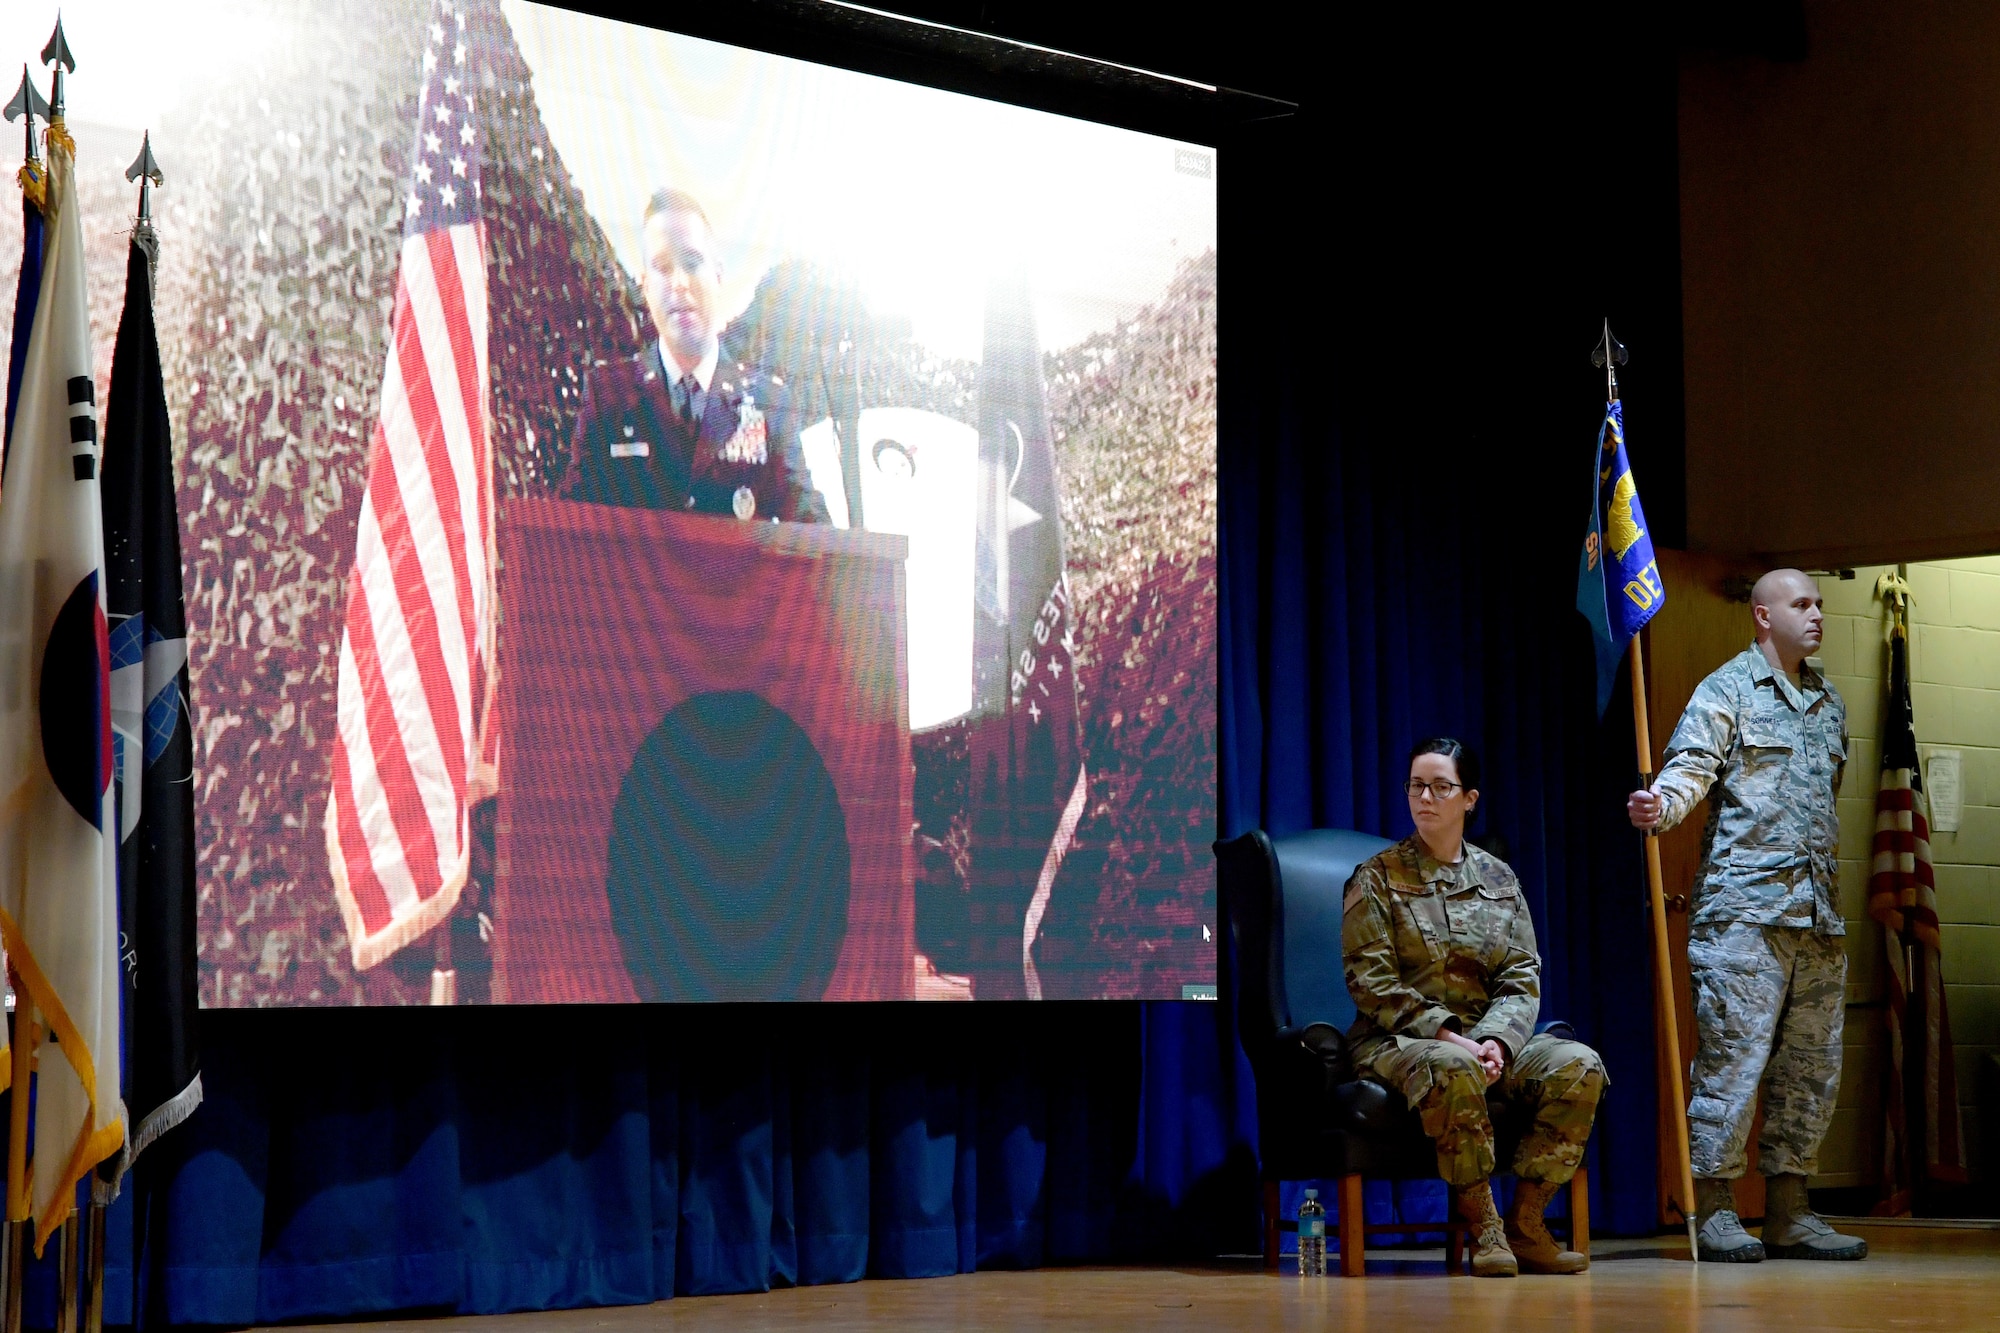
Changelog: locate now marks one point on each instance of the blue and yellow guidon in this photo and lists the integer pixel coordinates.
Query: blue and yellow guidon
(1618, 581)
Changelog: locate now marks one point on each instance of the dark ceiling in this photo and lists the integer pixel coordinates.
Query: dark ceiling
(1267, 57)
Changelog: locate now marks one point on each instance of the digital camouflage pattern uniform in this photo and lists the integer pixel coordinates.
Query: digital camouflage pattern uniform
(1765, 948)
(1429, 944)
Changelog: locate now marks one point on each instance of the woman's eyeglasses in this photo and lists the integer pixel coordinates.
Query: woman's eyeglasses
(1441, 790)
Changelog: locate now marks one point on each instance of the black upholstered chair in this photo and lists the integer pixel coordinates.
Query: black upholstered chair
(1281, 906)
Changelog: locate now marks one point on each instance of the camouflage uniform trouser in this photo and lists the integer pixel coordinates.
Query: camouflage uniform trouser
(1560, 1081)
(1768, 1007)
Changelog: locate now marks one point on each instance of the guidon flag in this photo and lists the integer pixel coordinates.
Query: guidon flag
(1618, 586)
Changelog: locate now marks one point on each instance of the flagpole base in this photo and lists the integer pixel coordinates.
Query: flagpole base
(66, 1274)
(17, 1263)
(93, 1271)
(1694, 1247)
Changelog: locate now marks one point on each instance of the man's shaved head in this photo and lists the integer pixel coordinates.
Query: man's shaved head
(1789, 614)
(1778, 585)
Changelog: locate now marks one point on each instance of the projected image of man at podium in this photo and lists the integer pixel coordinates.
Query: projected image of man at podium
(670, 427)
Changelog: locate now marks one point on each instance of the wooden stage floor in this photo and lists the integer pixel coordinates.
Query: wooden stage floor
(1914, 1278)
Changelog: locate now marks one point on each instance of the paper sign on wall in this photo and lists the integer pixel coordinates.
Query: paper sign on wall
(1944, 787)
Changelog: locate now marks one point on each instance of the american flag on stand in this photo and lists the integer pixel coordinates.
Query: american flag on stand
(411, 756)
(1923, 1142)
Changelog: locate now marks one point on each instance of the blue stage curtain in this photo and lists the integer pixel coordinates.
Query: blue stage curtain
(490, 1160)
(1403, 490)
(1355, 628)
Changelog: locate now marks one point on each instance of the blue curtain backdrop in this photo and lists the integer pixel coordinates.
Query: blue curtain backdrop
(1385, 609)
(1409, 410)
(352, 1162)
(1406, 415)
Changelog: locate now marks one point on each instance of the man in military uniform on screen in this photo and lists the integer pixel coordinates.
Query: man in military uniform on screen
(1765, 740)
(673, 427)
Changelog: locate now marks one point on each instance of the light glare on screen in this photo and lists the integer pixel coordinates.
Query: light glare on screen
(920, 196)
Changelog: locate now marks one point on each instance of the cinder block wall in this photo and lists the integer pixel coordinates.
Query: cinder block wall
(1955, 670)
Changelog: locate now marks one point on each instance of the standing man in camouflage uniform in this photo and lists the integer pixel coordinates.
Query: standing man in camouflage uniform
(1441, 961)
(1765, 739)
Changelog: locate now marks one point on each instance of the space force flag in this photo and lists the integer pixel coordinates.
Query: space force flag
(1618, 586)
(152, 745)
(58, 834)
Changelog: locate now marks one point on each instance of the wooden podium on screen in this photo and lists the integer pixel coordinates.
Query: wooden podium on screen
(704, 760)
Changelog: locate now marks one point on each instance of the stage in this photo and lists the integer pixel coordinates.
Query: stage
(1914, 1278)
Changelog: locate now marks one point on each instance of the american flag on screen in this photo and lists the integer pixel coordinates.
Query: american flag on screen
(1923, 1142)
(410, 756)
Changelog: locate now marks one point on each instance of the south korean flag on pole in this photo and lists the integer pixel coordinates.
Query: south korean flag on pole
(58, 840)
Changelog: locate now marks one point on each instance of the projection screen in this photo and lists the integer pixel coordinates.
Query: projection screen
(664, 521)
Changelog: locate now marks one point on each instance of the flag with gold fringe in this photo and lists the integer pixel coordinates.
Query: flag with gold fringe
(1618, 586)
(58, 827)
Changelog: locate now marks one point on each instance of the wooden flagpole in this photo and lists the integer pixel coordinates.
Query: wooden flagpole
(22, 1053)
(1662, 961)
(1608, 356)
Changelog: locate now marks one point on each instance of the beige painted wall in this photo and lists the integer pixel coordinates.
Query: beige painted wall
(1955, 675)
(1840, 232)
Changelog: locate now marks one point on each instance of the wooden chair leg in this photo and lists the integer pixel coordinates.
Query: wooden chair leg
(1270, 1226)
(1579, 1210)
(1453, 1243)
(1353, 1227)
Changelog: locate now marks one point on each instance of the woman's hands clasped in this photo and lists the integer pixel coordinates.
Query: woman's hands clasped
(1492, 1056)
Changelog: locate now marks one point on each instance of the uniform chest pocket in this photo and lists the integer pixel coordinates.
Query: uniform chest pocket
(1479, 919)
(1766, 743)
(1420, 925)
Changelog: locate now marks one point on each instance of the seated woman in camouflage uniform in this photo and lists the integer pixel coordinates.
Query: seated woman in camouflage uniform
(1441, 961)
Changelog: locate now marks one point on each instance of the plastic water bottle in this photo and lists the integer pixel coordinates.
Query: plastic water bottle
(1312, 1236)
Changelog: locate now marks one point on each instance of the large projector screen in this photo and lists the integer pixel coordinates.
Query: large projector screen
(664, 521)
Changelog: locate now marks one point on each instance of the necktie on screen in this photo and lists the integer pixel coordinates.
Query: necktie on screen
(685, 389)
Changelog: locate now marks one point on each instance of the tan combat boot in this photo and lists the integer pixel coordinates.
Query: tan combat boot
(1792, 1230)
(1490, 1255)
(1722, 1239)
(1528, 1235)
